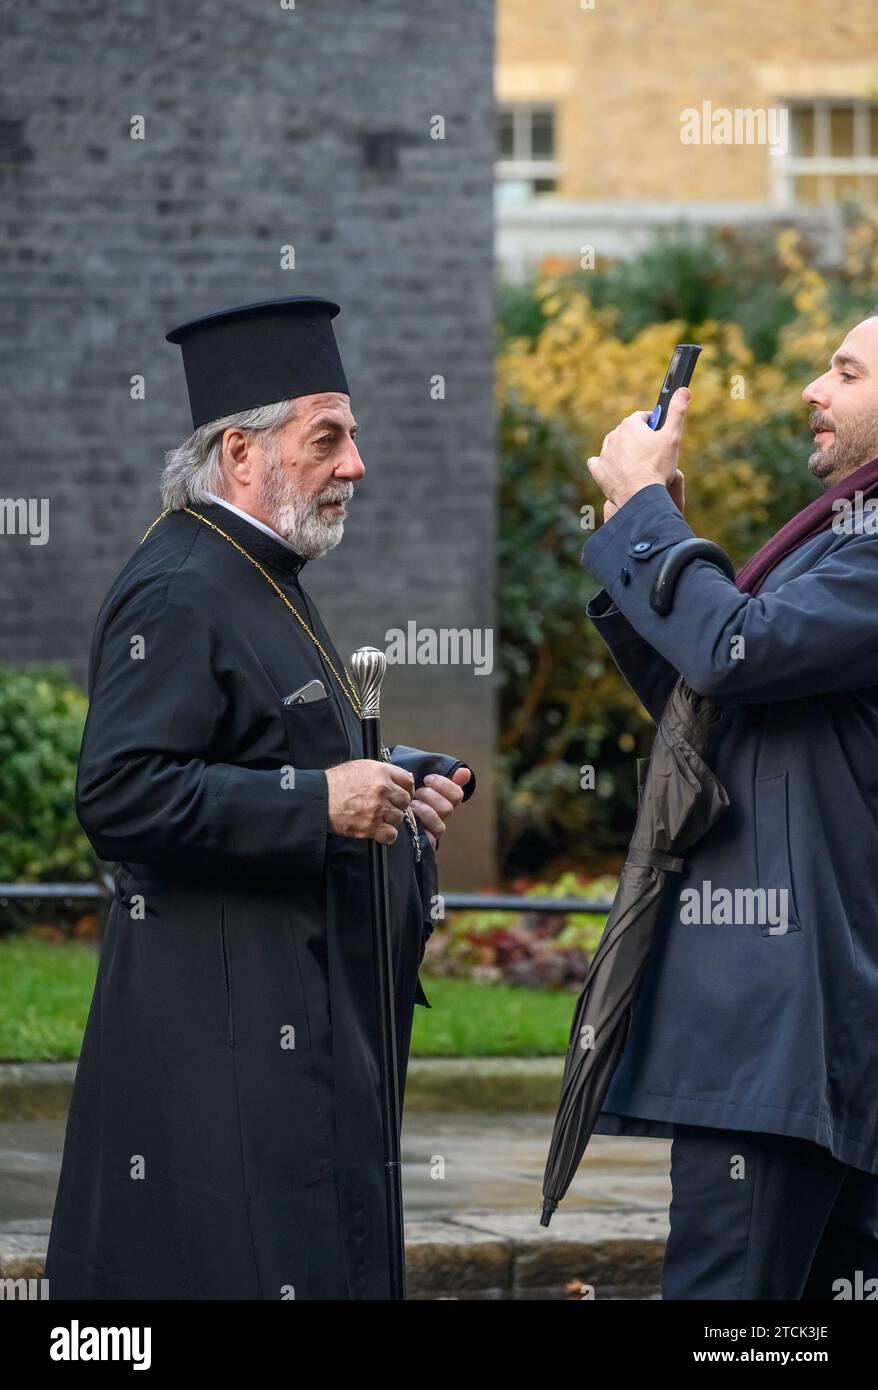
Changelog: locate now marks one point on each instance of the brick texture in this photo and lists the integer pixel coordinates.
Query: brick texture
(264, 127)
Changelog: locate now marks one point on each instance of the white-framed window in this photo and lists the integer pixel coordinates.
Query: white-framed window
(832, 154)
(526, 164)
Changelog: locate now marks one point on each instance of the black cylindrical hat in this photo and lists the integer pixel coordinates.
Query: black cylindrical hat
(256, 354)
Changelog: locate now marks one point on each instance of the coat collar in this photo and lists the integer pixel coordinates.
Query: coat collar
(264, 547)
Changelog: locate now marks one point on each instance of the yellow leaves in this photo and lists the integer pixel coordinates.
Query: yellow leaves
(810, 299)
(861, 252)
(809, 289)
(790, 250)
(809, 343)
(579, 372)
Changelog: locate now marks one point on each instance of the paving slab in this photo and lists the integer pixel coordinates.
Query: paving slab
(461, 1162)
(487, 1255)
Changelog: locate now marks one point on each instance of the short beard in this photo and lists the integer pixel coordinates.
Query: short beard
(297, 516)
(854, 445)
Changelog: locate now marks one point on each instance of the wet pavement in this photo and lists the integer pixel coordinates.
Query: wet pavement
(497, 1162)
(452, 1164)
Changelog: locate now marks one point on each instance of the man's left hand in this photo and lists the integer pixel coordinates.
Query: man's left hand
(433, 802)
(633, 456)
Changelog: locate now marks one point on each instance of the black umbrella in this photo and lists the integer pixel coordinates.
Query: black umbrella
(368, 665)
(680, 799)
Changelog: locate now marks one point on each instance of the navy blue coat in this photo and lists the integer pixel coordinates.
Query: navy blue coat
(743, 1025)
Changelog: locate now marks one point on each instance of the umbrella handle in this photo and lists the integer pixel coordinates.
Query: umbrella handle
(661, 598)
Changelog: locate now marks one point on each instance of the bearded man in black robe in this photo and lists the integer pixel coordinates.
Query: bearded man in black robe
(224, 1135)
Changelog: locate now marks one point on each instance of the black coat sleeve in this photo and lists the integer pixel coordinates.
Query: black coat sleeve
(153, 786)
(812, 635)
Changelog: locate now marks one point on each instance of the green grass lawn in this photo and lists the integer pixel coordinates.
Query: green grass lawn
(468, 1019)
(45, 991)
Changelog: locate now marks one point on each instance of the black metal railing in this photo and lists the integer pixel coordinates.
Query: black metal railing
(70, 893)
(511, 902)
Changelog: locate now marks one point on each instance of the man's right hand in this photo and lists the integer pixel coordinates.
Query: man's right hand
(367, 799)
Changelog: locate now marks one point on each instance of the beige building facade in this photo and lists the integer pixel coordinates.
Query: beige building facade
(720, 112)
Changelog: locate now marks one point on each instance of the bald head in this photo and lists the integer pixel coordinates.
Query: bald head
(844, 401)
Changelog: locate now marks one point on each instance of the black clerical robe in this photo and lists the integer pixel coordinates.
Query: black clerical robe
(224, 1135)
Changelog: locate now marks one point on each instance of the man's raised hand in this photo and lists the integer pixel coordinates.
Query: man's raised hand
(633, 456)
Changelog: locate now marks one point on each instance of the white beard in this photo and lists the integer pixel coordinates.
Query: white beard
(297, 516)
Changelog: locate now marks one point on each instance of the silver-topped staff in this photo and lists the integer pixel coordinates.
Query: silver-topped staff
(368, 665)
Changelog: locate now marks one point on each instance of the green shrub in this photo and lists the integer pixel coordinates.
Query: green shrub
(41, 720)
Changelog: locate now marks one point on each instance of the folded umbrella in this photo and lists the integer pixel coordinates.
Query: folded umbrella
(680, 799)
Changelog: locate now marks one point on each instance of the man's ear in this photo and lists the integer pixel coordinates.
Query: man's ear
(235, 456)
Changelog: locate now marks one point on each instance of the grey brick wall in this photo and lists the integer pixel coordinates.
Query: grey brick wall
(264, 127)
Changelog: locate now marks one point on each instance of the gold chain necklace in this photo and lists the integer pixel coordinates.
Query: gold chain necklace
(348, 690)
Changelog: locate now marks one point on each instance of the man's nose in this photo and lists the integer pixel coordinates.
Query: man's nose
(352, 467)
(817, 392)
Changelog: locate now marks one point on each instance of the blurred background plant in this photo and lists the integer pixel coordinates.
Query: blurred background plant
(41, 718)
(535, 949)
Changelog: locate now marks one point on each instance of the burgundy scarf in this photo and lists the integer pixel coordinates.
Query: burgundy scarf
(810, 521)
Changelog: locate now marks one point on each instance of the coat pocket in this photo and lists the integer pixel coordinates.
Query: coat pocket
(316, 734)
(776, 899)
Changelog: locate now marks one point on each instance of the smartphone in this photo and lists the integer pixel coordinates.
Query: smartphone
(679, 373)
(314, 690)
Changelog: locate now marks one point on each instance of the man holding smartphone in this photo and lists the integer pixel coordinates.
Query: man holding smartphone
(753, 1038)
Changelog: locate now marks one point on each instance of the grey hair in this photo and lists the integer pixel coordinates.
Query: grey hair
(193, 469)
